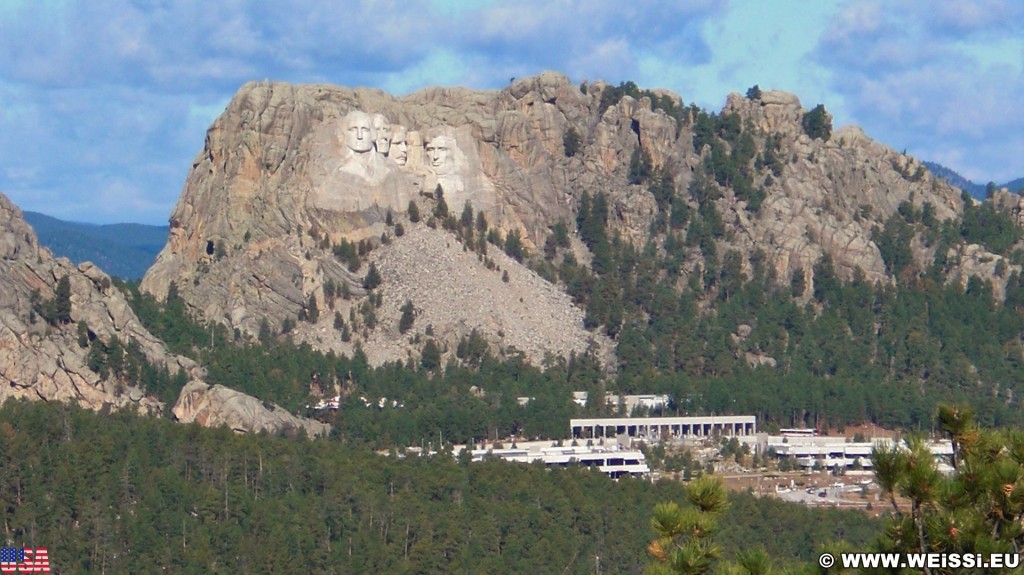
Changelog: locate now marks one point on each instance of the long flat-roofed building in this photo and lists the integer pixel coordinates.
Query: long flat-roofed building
(829, 452)
(658, 427)
(612, 460)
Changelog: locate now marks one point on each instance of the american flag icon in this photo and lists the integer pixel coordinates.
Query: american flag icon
(24, 560)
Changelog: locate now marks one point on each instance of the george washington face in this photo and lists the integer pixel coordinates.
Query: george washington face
(360, 136)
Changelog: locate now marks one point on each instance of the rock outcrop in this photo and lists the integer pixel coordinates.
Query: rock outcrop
(216, 406)
(452, 293)
(47, 360)
(285, 175)
(830, 194)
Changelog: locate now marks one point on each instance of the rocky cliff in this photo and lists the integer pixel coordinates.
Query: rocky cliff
(288, 173)
(49, 337)
(49, 360)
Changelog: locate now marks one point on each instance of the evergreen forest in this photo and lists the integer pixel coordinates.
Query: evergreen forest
(120, 493)
(710, 326)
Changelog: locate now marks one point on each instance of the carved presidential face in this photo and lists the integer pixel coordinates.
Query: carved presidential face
(439, 154)
(360, 136)
(399, 145)
(383, 129)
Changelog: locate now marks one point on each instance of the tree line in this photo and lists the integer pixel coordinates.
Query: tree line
(125, 493)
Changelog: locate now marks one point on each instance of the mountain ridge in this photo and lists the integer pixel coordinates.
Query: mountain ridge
(654, 242)
(125, 250)
(272, 195)
(978, 191)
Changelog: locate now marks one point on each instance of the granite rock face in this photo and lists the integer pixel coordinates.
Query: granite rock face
(511, 307)
(43, 361)
(284, 176)
(830, 194)
(47, 361)
(216, 406)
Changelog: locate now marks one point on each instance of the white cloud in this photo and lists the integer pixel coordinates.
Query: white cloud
(987, 18)
(90, 90)
(934, 79)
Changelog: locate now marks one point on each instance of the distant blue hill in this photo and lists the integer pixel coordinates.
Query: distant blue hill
(976, 190)
(123, 250)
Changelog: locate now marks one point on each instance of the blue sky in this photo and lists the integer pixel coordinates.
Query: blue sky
(104, 103)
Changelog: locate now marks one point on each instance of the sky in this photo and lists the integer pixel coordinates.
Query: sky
(104, 103)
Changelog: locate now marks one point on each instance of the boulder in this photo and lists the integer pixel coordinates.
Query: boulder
(216, 406)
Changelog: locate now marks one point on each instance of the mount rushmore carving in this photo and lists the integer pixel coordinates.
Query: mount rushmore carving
(368, 163)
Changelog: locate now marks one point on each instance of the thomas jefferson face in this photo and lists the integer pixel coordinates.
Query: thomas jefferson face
(439, 154)
(399, 146)
(359, 133)
(383, 128)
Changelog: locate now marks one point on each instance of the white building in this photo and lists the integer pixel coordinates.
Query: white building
(629, 402)
(830, 452)
(654, 428)
(614, 461)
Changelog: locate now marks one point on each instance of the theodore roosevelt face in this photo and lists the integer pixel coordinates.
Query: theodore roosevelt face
(399, 146)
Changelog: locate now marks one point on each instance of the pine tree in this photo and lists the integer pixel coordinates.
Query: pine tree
(62, 301)
(312, 310)
(481, 222)
(431, 357)
(571, 142)
(798, 283)
(414, 212)
(685, 535)
(466, 220)
(83, 334)
(817, 123)
(975, 509)
(97, 359)
(408, 317)
(441, 209)
(640, 167)
(514, 246)
(115, 356)
(264, 333)
(372, 278)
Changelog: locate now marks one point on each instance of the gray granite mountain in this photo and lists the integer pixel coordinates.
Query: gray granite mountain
(285, 175)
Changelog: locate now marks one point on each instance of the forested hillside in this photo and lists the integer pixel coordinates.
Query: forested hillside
(979, 191)
(772, 282)
(123, 250)
(724, 341)
(748, 261)
(739, 339)
(118, 493)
